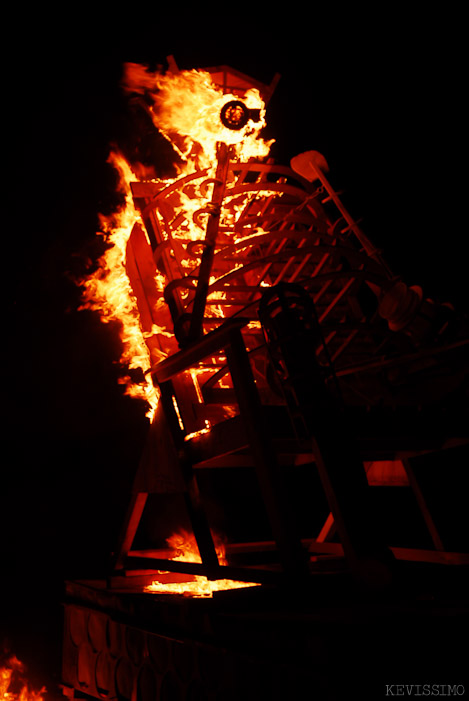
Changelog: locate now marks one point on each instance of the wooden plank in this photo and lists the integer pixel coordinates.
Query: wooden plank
(142, 295)
(405, 554)
(402, 359)
(240, 574)
(188, 401)
(328, 529)
(245, 460)
(431, 556)
(222, 439)
(132, 520)
(145, 189)
(209, 344)
(146, 267)
(137, 580)
(236, 460)
(386, 473)
(142, 272)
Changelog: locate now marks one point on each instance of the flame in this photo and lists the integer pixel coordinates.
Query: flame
(185, 107)
(108, 290)
(12, 677)
(185, 549)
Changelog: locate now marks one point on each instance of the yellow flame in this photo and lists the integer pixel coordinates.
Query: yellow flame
(185, 107)
(185, 549)
(108, 290)
(200, 588)
(186, 110)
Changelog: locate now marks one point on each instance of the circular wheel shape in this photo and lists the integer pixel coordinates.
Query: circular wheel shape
(234, 115)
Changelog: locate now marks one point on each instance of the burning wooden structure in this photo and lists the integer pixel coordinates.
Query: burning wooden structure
(293, 373)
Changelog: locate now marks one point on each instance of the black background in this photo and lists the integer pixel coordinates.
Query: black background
(379, 93)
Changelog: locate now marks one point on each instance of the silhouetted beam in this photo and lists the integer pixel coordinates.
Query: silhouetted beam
(239, 574)
(208, 345)
(205, 269)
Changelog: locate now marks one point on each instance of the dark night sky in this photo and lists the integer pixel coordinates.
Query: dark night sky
(380, 96)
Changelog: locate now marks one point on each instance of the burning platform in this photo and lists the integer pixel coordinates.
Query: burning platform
(302, 399)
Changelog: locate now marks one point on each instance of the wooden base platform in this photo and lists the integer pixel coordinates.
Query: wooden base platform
(272, 643)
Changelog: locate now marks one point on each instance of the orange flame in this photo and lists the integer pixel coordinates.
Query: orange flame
(185, 107)
(185, 549)
(108, 290)
(12, 677)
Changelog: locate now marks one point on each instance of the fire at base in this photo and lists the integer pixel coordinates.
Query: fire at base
(205, 271)
(185, 549)
(195, 116)
(14, 685)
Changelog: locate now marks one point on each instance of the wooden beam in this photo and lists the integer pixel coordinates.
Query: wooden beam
(223, 439)
(133, 516)
(206, 262)
(405, 554)
(431, 556)
(240, 574)
(328, 530)
(422, 504)
(281, 519)
(209, 344)
(192, 495)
